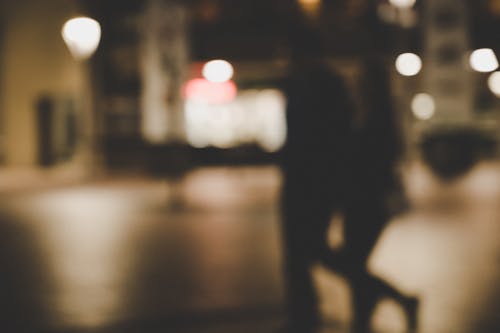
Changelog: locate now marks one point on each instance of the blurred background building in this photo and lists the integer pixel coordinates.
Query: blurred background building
(141, 91)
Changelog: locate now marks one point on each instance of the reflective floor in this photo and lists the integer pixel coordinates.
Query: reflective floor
(131, 254)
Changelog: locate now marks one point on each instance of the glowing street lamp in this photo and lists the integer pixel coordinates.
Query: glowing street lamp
(82, 36)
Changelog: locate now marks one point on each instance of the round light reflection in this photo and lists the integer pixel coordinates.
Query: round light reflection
(494, 83)
(408, 64)
(483, 60)
(423, 106)
(218, 71)
(82, 36)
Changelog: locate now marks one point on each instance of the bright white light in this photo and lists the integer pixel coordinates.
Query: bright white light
(483, 60)
(494, 83)
(270, 110)
(423, 106)
(254, 117)
(402, 3)
(218, 71)
(408, 64)
(196, 124)
(82, 36)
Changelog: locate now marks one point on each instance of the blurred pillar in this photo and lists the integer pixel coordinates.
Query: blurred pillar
(2, 115)
(163, 61)
(445, 76)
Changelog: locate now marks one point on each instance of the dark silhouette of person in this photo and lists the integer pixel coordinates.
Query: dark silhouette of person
(319, 115)
(372, 195)
(330, 165)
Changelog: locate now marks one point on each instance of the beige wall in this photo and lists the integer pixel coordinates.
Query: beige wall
(35, 61)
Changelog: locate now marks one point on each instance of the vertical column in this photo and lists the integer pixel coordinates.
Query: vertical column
(2, 112)
(445, 75)
(163, 61)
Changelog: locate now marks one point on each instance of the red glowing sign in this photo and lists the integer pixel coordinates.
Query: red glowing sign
(210, 92)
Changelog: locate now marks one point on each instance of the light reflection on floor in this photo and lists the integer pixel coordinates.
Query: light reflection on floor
(119, 251)
(85, 234)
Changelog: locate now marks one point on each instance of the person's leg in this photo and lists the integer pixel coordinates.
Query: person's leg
(364, 221)
(362, 230)
(409, 304)
(367, 290)
(364, 298)
(297, 234)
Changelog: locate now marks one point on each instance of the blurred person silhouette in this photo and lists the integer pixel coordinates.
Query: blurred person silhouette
(319, 115)
(372, 196)
(373, 192)
(329, 165)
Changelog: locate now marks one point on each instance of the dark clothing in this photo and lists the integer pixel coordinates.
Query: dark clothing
(318, 119)
(329, 165)
(375, 149)
(318, 127)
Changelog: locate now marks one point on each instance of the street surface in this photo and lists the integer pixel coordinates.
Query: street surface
(135, 254)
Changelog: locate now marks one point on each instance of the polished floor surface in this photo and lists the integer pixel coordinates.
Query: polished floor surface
(133, 254)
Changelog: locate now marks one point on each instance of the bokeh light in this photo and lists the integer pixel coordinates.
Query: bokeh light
(310, 6)
(271, 106)
(210, 92)
(483, 60)
(408, 64)
(254, 117)
(82, 36)
(494, 83)
(309, 2)
(423, 106)
(402, 3)
(218, 71)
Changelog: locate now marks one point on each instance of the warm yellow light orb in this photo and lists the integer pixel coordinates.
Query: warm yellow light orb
(310, 6)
